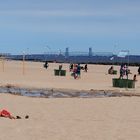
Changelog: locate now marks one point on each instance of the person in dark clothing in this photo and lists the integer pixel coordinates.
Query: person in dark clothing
(46, 65)
(78, 72)
(111, 69)
(71, 67)
(86, 68)
(127, 72)
(135, 77)
(121, 73)
(60, 67)
(139, 70)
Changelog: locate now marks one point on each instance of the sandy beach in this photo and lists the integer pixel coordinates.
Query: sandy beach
(36, 76)
(114, 118)
(111, 118)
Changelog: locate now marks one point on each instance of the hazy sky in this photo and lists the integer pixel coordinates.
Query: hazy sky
(104, 25)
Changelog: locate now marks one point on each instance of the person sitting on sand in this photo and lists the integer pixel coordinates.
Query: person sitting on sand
(7, 114)
(111, 69)
(60, 67)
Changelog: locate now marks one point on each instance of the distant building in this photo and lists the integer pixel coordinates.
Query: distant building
(67, 52)
(90, 52)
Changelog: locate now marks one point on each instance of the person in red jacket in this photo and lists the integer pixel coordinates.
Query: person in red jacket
(7, 114)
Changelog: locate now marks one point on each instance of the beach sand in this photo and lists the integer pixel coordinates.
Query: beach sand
(110, 118)
(38, 77)
(114, 118)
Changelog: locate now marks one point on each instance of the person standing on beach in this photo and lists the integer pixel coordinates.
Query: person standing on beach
(71, 67)
(46, 65)
(127, 72)
(75, 71)
(86, 68)
(78, 71)
(121, 72)
(139, 70)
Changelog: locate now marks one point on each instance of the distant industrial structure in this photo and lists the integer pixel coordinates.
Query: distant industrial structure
(79, 57)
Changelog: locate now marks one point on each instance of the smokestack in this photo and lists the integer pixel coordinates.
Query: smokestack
(90, 52)
(67, 52)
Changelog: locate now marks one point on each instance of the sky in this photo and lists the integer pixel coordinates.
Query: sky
(39, 26)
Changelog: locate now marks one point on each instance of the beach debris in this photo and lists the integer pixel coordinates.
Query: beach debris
(61, 93)
(26, 117)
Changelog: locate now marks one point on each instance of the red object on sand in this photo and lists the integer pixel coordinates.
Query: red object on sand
(5, 113)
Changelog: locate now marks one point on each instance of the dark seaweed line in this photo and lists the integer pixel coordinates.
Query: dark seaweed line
(44, 93)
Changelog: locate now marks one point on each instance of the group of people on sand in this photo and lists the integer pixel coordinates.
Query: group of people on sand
(124, 71)
(76, 70)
